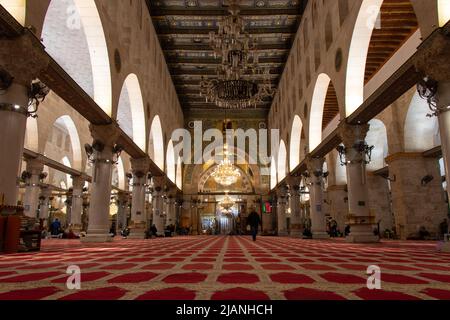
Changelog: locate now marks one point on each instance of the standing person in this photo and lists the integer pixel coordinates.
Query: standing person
(254, 221)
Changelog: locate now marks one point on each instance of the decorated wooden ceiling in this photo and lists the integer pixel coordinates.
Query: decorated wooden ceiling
(183, 27)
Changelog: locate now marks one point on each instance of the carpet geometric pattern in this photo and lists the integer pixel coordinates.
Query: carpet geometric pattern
(227, 268)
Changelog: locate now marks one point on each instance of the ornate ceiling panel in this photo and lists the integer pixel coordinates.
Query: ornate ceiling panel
(183, 27)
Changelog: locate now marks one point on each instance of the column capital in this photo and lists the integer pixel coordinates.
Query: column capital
(78, 182)
(432, 55)
(105, 134)
(314, 164)
(352, 134)
(140, 167)
(293, 181)
(159, 183)
(23, 57)
(34, 166)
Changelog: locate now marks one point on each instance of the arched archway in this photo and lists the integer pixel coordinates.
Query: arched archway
(170, 162)
(67, 163)
(317, 109)
(17, 8)
(64, 127)
(282, 167)
(295, 144)
(130, 112)
(421, 133)
(156, 143)
(377, 137)
(179, 176)
(359, 48)
(121, 174)
(74, 26)
(380, 44)
(273, 174)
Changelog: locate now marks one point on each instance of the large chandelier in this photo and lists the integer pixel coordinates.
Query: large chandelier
(240, 82)
(226, 173)
(227, 203)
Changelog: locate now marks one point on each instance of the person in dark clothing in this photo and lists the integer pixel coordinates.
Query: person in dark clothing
(254, 221)
(443, 228)
(55, 227)
(347, 230)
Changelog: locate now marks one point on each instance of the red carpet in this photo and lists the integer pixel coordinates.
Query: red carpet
(227, 268)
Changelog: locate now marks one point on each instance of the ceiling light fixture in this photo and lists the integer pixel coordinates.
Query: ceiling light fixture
(240, 82)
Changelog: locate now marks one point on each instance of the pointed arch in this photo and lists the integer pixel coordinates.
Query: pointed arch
(295, 143)
(130, 112)
(273, 174)
(80, 30)
(179, 175)
(77, 155)
(170, 162)
(156, 143)
(282, 166)
(317, 108)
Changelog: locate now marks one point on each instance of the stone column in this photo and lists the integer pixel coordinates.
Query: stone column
(140, 169)
(282, 202)
(337, 196)
(33, 188)
(416, 200)
(46, 193)
(171, 210)
(432, 60)
(105, 138)
(122, 205)
(294, 204)
(21, 61)
(360, 220)
(158, 204)
(77, 204)
(317, 213)
(194, 216)
(380, 201)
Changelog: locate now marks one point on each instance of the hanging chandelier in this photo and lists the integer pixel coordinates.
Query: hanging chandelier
(227, 203)
(226, 174)
(240, 82)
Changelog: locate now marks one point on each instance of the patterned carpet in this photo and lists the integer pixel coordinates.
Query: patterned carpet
(227, 268)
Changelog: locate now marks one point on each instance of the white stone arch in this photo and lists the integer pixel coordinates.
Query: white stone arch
(273, 174)
(170, 162)
(65, 161)
(377, 137)
(74, 140)
(17, 8)
(295, 143)
(179, 174)
(317, 108)
(156, 143)
(130, 111)
(282, 167)
(32, 135)
(73, 35)
(421, 132)
(359, 49)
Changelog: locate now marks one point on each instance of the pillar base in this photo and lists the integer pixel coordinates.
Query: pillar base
(282, 233)
(138, 234)
(320, 235)
(96, 238)
(296, 233)
(362, 238)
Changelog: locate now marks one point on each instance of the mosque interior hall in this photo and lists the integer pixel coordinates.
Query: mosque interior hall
(225, 149)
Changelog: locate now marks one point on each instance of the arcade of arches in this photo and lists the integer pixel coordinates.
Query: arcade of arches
(93, 94)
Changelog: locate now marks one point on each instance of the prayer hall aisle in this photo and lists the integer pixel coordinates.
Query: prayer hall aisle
(227, 268)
